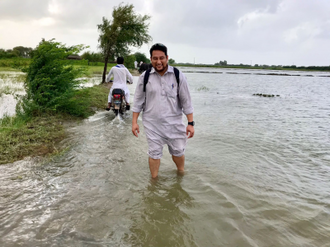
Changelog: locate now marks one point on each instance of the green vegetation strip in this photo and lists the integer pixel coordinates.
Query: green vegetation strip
(41, 135)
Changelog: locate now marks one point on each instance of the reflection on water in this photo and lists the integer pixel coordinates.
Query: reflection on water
(161, 219)
(257, 174)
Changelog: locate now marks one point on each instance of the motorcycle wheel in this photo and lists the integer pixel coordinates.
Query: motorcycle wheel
(116, 111)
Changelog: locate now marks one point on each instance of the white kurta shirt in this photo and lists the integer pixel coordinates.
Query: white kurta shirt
(120, 75)
(163, 104)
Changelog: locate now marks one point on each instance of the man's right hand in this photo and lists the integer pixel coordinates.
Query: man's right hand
(135, 129)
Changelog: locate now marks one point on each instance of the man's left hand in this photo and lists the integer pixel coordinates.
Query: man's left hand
(190, 131)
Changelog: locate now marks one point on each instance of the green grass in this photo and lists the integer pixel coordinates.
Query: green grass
(36, 137)
(8, 69)
(5, 90)
(11, 84)
(15, 62)
(96, 70)
(41, 135)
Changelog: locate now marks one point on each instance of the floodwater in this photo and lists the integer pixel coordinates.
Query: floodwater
(257, 174)
(11, 86)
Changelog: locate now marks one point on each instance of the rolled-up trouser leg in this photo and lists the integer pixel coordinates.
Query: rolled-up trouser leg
(155, 148)
(156, 142)
(177, 146)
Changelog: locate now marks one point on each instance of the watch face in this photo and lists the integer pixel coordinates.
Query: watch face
(191, 123)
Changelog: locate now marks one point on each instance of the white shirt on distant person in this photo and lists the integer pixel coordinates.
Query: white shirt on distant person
(120, 76)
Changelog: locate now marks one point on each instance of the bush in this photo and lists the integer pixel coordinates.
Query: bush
(15, 62)
(51, 81)
(129, 61)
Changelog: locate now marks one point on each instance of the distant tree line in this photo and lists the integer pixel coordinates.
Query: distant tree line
(88, 57)
(21, 57)
(16, 52)
(221, 63)
(277, 67)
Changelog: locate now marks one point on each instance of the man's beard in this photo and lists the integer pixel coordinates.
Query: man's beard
(162, 70)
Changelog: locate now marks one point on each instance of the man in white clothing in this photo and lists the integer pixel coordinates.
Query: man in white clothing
(163, 102)
(120, 76)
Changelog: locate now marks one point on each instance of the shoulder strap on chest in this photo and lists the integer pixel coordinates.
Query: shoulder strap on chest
(147, 73)
(177, 75)
(145, 79)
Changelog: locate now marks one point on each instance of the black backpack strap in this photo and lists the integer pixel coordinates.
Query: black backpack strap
(147, 73)
(177, 73)
(145, 79)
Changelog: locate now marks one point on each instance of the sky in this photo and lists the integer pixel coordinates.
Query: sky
(272, 32)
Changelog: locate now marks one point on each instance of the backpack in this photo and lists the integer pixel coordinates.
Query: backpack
(146, 77)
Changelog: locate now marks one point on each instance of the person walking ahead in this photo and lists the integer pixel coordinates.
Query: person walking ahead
(163, 102)
(120, 76)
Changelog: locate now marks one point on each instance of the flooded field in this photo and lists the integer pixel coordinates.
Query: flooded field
(257, 174)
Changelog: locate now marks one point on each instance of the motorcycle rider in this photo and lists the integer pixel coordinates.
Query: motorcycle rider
(121, 75)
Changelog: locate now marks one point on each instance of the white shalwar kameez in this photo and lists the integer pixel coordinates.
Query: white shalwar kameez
(120, 74)
(163, 104)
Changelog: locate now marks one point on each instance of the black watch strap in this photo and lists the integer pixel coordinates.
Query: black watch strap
(191, 123)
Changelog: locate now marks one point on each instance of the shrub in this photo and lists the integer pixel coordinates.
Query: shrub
(51, 80)
(129, 61)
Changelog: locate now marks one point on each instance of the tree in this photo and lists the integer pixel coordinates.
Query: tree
(171, 61)
(141, 57)
(125, 29)
(129, 61)
(223, 63)
(92, 57)
(51, 82)
(23, 51)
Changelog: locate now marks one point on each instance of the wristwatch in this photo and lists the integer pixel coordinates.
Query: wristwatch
(191, 123)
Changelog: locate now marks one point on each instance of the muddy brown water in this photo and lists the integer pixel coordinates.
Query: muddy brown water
(257, 174)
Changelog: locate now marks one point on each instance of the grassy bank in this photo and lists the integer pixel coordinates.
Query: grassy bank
(96, 69)
(8, 69)
(41, 135)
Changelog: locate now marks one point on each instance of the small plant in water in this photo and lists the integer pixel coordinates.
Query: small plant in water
(203, 88)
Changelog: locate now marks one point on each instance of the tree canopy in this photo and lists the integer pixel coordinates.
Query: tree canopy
(51, 81)
(126, 29)
(18, 51)
(141, 57)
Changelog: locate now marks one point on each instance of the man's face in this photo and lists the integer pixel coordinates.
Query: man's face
(159, 61)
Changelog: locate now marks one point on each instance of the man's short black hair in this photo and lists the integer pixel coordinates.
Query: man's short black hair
(120, 60)
(158, 47)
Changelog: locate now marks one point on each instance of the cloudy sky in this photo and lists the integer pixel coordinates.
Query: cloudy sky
(273, 32)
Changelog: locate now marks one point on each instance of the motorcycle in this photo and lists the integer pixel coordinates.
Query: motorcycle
(118, 103)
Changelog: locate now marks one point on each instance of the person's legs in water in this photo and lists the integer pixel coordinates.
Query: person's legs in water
(179, 162)
(176, 148)
(155, 152)
(154, 167)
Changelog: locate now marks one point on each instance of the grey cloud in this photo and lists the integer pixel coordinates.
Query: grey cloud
(232, 26)
(216, 25)
(15, 10)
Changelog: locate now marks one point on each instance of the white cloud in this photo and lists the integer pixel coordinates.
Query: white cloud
(302, 32)
(47, 21)
(53, 7)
